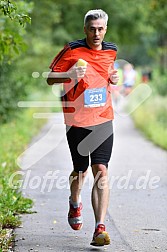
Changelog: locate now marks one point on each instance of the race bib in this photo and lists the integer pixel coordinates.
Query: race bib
(95, 97)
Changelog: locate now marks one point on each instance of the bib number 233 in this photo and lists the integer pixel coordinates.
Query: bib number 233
(95, 97)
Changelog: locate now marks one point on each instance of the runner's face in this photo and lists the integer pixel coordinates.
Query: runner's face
(95, 32)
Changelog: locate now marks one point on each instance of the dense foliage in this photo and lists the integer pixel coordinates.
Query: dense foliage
(13, 19)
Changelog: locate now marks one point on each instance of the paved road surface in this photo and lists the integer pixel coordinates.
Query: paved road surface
(137, 214)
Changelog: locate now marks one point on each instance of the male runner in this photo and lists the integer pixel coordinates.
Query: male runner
(85, 66)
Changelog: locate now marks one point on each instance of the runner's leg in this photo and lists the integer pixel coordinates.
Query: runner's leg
(76, 181)
(75, 135)
(103, 137)
(100, 192)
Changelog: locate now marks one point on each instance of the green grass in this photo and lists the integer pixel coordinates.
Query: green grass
(151, 118)
(15, 135)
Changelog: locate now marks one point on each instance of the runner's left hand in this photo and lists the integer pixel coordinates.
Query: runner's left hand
(114, 77)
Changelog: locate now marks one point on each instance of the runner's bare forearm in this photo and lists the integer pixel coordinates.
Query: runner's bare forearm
(55, 77)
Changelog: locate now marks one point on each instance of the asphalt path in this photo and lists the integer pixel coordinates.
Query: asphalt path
(137, 212)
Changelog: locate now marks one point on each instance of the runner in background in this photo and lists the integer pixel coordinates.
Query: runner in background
(129, 78)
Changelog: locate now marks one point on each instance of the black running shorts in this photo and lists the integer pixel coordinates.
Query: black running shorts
(94, 142)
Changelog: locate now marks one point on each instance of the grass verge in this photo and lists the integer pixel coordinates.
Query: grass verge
(151, 118)
(14, 138)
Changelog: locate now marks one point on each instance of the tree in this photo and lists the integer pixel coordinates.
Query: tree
(14, 17)
(159, 9)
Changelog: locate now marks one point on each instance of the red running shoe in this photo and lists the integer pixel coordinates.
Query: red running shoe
(74, 217)
(100, 236)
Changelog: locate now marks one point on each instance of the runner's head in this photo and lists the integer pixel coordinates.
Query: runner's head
(95, 26)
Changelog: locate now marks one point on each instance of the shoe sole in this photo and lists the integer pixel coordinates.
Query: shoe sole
(101, 240)
(76, 226)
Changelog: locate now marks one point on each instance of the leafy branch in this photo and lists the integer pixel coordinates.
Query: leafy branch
(14, 16)
(9, 9)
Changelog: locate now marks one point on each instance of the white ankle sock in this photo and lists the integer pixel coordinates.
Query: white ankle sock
(97, 223)
(75, 204)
